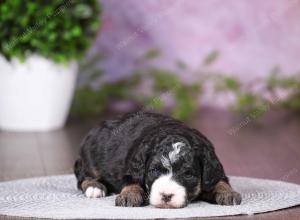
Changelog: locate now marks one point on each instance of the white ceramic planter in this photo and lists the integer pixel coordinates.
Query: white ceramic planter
(35, 95)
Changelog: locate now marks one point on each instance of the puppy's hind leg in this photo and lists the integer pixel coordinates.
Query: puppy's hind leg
(90, 186)
(93, 188)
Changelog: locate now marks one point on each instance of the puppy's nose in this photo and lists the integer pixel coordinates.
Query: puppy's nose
(166, 197)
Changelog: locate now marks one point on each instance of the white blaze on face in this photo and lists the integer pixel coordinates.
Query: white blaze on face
(174, 154)
(167, 193)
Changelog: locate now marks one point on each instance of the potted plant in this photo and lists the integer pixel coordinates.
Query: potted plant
(40, 44)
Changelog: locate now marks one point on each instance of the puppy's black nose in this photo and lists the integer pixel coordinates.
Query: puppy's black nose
(166, 197)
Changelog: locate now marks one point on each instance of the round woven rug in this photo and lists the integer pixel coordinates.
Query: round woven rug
(57, 197)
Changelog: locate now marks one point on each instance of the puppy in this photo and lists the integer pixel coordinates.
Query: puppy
(151, 158)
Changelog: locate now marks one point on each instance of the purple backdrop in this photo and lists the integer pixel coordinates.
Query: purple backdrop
(251, 36)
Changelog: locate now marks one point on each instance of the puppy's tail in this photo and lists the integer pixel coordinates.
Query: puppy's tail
(79, 172)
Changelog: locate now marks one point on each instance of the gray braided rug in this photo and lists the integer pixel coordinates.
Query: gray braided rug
(57, 197)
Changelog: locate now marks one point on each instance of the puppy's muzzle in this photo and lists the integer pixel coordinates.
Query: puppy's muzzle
(167, 193)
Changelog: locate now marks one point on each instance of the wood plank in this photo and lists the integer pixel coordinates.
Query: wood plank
(19, 156)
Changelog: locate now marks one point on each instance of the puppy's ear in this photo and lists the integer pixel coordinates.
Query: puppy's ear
(212, 169)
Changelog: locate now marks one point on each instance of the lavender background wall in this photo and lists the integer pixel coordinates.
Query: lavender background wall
(251, 36)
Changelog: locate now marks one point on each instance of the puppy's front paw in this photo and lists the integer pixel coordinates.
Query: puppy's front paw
(129, 199)
(94, 192)
(228, 198)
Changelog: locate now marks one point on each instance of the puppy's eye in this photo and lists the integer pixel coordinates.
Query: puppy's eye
(154, 172)
(188, 175)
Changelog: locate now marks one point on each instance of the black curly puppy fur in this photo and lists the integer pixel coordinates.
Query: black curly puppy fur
(151, 158)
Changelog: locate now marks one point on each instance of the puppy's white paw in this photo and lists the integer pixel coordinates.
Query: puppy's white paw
(94, 192)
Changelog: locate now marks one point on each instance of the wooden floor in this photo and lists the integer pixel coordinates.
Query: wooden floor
(264, 148)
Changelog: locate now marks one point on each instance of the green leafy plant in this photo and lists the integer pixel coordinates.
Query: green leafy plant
(211, 58)
(248, 102)
(165, 83)
(245, 100)
(288, 84)
(185, 95)
(60, 29)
